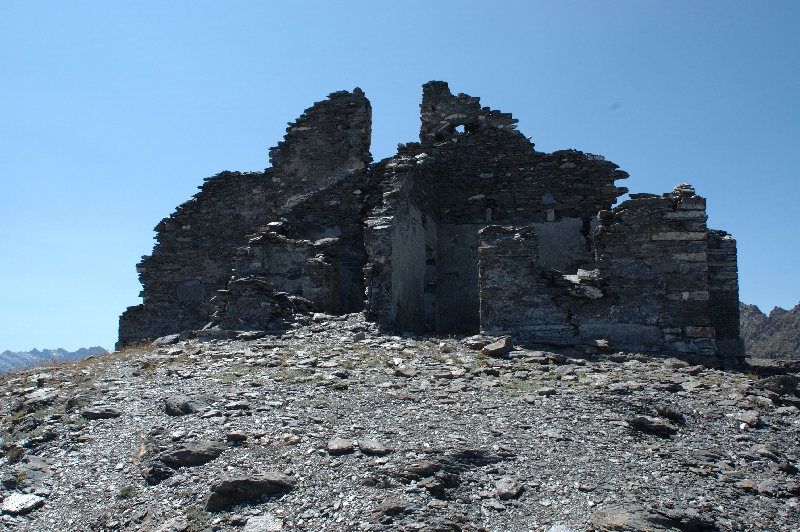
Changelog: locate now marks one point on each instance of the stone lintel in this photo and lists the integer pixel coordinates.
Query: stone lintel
(689, 257)
(679, 235)
(699, 332)
(685, 215)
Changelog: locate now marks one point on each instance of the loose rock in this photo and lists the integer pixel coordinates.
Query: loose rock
(101, 412)
(21, 503)
(245, 489)
(372, 447)
(340, 446)
(499, 347)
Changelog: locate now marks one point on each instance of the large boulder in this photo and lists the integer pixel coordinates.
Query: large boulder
(245, 489)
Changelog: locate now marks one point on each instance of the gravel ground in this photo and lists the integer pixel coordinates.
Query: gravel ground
(337, 426)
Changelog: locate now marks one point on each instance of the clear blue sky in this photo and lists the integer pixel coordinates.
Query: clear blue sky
(112, 113)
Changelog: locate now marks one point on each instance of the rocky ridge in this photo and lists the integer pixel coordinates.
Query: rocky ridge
(16, 360)
(775, 336)
(334, 425)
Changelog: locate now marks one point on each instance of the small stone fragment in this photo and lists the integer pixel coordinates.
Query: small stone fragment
(181, 405)
(263, 523)
(101, 412)
(245, 489)
(373, 447)
(166, 340)
(393, 506)
(499, 347)
(421, 469)
(653, 426)
(192, 454)
(750, 417)
(622, 518)
(405, 371)
(495, 505)
(508, 488)
(176, 524)
(236, 436)
(670, 412)
(477, 342)
(39, 398)
(21, 503)
(237, 405)
(780, 384)
(768, 487)
(340, 446)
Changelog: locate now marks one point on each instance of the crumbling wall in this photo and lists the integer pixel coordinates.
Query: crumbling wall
(663, 282)
(252, 303)
(327, 144)
(652, 253)
(194, 254)
(323, 158)
(468, 229)
(323, 166)
(478, 169)
(399, 240)
(297, 267)
(515, 296)
(723, 290)
(472, 168)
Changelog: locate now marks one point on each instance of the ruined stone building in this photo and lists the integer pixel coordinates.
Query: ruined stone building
(468, 230)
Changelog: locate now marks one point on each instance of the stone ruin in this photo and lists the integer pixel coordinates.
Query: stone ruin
(470, 230)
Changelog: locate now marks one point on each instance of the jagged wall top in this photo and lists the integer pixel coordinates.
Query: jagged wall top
(441, 113)
(328, 142)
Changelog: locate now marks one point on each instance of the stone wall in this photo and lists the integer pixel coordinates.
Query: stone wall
(515, 297)
(194, 255)
(470, 169)
(399, 241)
(479, 169)
(652, 254)
(663, 282)
(323, 167)
(723, 291)
(297, 267)
(310, 192)
(252, 303)
(469, 229)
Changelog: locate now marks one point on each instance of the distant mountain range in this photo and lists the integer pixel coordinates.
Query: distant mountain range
(773, 336)
(12, 361)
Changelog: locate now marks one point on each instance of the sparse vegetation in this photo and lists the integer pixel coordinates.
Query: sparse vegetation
(520, 385)
(13, 455)
(196, 518)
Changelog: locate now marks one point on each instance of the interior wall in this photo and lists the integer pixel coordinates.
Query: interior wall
(457, 291)
(563, 246)
(408, 270)
(431, 265)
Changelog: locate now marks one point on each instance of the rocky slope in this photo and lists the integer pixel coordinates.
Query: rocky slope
(334, 426)
(776, 335)
(16, 360)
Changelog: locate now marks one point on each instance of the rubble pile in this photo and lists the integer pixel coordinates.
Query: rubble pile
(334, 425)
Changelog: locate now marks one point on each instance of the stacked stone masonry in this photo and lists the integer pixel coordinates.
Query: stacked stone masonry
(468, 230)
